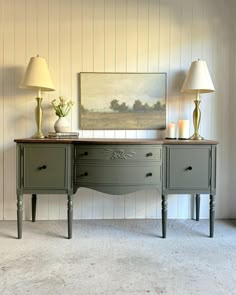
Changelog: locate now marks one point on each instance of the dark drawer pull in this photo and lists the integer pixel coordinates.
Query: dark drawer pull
(42, 167)
(84, 174)
(83, 154)
(189, 168)
(149, 154)
(149, 174)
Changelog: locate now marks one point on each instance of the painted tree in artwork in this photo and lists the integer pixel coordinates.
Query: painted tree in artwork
(137, 106)
(115, 106)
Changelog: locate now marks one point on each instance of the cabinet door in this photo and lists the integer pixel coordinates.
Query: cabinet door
(188, 168)
(44, 166)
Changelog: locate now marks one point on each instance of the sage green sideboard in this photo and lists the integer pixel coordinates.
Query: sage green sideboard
(61, 166)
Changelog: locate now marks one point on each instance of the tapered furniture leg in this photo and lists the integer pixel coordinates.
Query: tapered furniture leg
(34, 204)
(212, 215)
(164, 215)
(69, 215)
(19, 215)
(197, 207)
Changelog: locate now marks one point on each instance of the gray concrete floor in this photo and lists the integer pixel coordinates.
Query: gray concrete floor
(118, 257)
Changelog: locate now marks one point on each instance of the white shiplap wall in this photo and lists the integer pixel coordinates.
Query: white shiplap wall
(113, 35)
(232, 122)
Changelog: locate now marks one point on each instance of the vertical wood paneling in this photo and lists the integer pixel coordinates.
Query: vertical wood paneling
(213, 33)
(87, 66)
(152, 203)
(153, 35)
(20, 59)
(121, 36)
(164, 66)
(175, 82)
(207, 53)
(185, 203)
(197, 36)
(65, 69)
(99, 37)
(99, 65)
(232, 201)
(130, 205)
(76, 57)
(186, 101)
(31, 50)
(76, 68)
(120, 66)
(86, 204)
(42, 50)
(110, 35)
(197, 29)
(224, 64)
(9, 109)
(164, 46)
(88, 35)
(132, 35)
(143, 36)
(1, 113)
(87, 45)
(132, 66)
(153, 50)
(153, 208)
(142, 66)
(54, 66)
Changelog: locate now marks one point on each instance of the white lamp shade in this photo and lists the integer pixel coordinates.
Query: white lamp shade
(198, 79)
(37, 75)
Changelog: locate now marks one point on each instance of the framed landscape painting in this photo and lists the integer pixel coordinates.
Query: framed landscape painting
(122, 101)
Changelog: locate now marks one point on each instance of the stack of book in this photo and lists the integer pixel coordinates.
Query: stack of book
(63, 134)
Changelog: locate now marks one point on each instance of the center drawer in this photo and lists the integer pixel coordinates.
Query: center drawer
(96, 173)
(117, 153)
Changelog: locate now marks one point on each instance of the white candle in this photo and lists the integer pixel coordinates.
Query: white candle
(171, 130)
(184, 129)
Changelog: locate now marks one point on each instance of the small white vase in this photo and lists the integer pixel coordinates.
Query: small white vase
(62, 125)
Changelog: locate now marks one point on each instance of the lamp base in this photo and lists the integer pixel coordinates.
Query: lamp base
(38, 118)
(196, 120)
(196, 136)
(38, 135)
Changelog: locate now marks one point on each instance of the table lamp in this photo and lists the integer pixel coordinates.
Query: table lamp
(197, 81)
(37, 77)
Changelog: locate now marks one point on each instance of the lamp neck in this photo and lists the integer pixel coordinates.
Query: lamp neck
(198, 95)
(39, 93)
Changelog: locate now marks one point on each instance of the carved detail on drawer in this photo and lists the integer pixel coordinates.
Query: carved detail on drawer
(119, 154)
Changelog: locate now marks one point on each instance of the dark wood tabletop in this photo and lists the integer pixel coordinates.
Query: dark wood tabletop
(114, 141)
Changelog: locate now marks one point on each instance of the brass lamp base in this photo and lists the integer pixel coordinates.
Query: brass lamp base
(38, 135)
(196, 137)
(196, 120)
(38, 118)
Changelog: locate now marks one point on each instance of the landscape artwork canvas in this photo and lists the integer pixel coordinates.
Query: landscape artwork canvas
(122, 101)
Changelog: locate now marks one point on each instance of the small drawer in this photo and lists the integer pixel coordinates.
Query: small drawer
(44, 167)
(119, 175)
(116, 153)
(188, 167)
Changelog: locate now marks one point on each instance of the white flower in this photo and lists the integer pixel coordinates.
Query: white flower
(62, 106)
